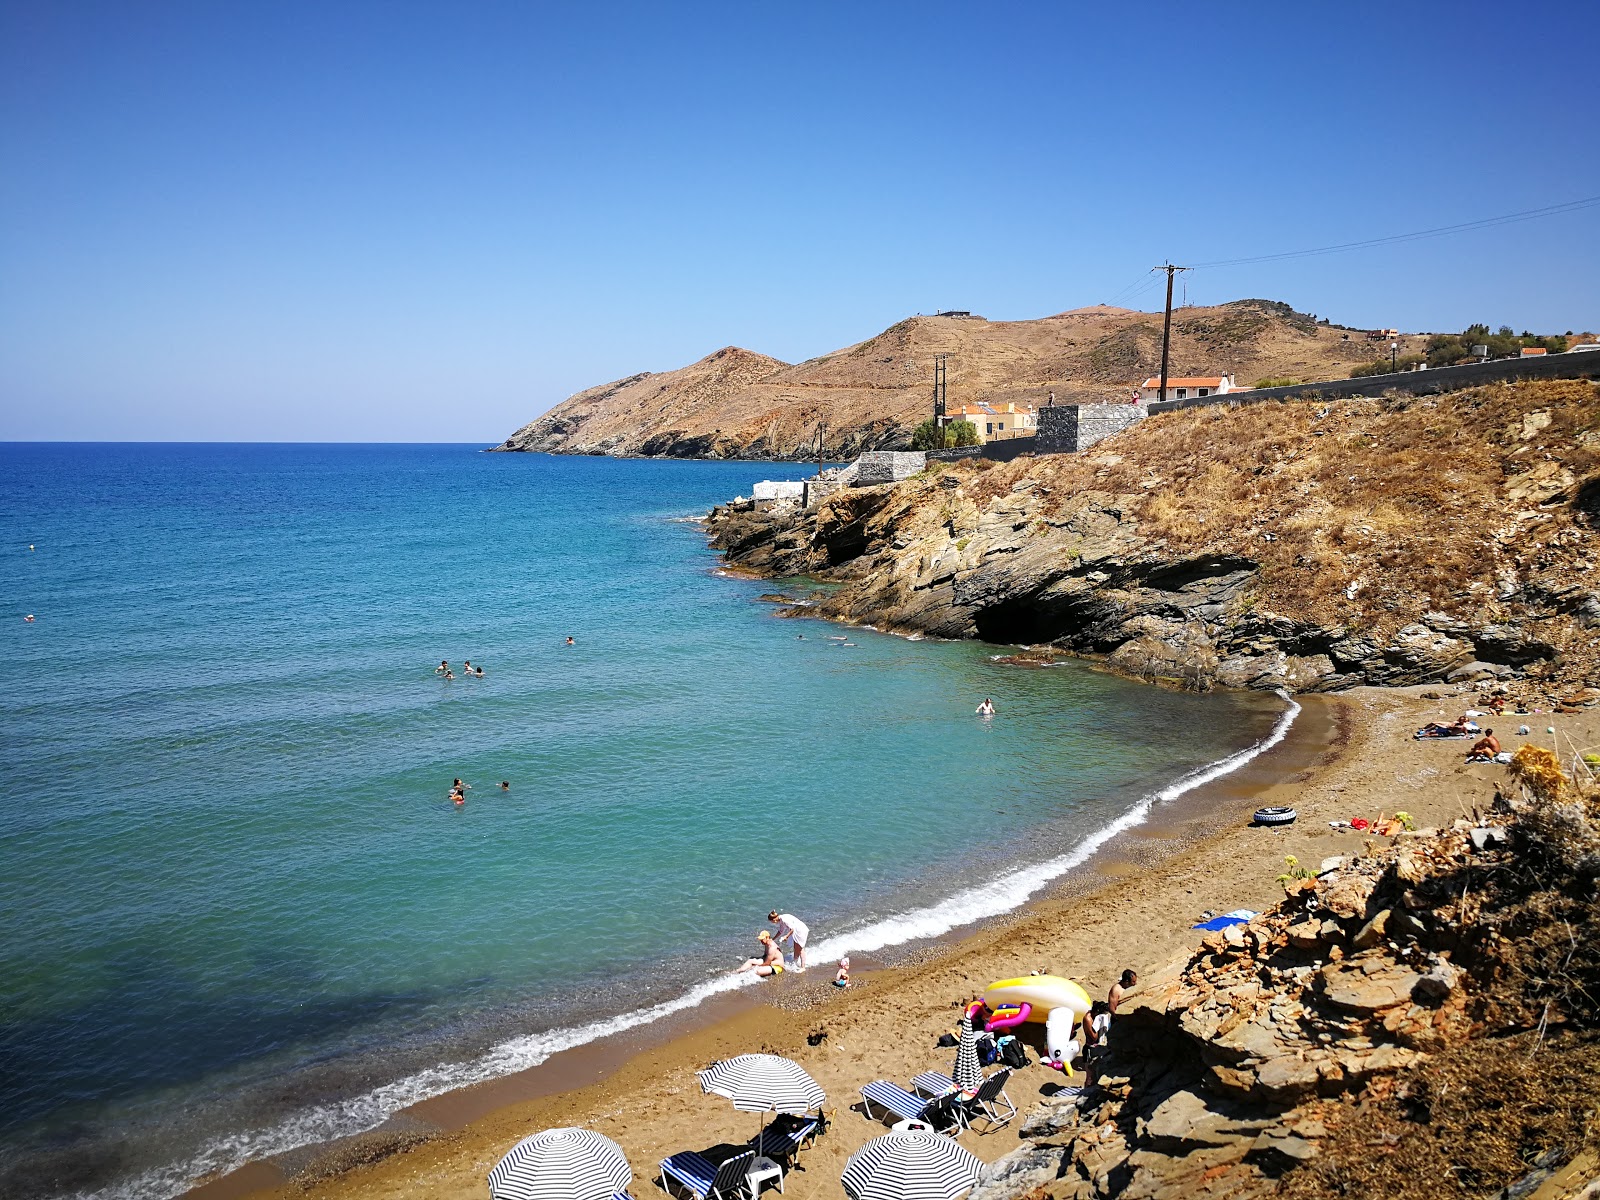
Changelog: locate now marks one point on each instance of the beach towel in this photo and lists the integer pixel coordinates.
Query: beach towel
(1238, 916)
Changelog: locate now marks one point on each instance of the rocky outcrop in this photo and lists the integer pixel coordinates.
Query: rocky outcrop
(1128, 555)
(1235, 1067)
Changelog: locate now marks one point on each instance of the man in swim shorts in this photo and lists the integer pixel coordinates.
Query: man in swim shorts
(791, 927)
(770, 962)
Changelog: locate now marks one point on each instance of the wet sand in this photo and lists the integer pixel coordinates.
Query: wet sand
(1131, 906)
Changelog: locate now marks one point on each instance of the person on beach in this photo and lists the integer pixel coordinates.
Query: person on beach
(1119, 991)
(986, 709)
(770, 962)
(443, 668)
(841, 977)
(792, 928)
(1485, 748)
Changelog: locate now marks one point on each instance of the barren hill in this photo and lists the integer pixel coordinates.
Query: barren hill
(739, 404)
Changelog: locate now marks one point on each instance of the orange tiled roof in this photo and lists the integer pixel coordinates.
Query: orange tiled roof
(1185, 381)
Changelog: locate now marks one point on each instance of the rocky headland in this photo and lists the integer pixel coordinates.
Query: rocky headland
(1302, 546)
(736, 403)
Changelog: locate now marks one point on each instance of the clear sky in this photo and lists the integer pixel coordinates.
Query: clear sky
(397, 221)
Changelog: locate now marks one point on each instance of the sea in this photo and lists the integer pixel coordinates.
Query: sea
(240, 912)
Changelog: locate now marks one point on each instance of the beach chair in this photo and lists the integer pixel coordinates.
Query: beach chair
(943, 1115)
(933, 1085)
(703, 1179)
(783, 1140)
(987, 1100)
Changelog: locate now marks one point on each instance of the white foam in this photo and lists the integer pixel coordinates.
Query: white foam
(1012, 889)
(371, 1109)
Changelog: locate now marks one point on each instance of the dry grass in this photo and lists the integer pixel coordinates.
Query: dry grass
(1364, 513)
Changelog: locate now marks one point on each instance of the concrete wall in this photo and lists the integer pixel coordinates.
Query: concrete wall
(1068, 428)
(782, 490)
(1416, 383)
(887, 466)
(999, 451)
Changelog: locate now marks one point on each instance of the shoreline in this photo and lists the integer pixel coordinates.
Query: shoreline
(1163, 834)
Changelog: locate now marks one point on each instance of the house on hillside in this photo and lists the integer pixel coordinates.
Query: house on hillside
(1532, 351)
(1186, 387)
(999, 422)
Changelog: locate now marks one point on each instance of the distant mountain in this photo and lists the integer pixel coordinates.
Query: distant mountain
(740, 404)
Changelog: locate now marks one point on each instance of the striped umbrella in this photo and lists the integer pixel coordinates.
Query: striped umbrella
(968, 1075)
(915, 1165)
(561, 1164)
(763, 1083)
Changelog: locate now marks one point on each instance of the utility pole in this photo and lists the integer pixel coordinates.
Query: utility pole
(822, 427)
(938, 391)
(1166, 326)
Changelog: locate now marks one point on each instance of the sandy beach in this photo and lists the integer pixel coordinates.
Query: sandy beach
(1133, 906)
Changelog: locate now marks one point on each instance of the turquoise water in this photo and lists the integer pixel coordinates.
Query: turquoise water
(240, 913)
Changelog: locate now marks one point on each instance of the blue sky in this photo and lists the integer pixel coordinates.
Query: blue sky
(408, 221)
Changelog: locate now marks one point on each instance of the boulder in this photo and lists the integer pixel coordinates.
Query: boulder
(1437, 983)
(1351, 988)
(1372, 932)
(1020, 1171)
(1288, 1078)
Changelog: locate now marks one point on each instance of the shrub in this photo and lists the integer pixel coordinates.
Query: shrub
(1382, 366)
(928, 435)
(1275, 381)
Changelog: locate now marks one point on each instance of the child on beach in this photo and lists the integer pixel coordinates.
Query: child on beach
(842, 979)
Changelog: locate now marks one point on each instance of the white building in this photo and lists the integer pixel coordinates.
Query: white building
(1187, 387)
(999, 422)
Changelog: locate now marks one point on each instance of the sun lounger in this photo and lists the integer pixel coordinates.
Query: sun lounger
(896, 1101)
(987, 1100)
(705, 1180)
(933, 1085)
(786, 1137)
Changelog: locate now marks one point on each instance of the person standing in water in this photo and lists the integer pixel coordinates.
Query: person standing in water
(791, 928)
(986, 709)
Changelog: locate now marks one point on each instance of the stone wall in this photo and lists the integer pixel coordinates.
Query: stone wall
(1583, 365)
(1068, 428)
(781, 490)
(887, 466)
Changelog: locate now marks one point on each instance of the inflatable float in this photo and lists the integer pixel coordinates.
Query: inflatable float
(1275, 816)
(1057, 1003)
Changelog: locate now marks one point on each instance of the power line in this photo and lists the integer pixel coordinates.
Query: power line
(1531, 214)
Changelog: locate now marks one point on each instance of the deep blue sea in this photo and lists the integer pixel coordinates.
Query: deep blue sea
(240, 913)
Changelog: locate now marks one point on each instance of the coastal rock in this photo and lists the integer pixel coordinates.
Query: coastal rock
(1350, 987)
(1015, 1174)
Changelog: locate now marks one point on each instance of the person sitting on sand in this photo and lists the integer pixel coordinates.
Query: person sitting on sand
(770, 962)
(1485, 748)
(841, 978)
(1120, 989)
(986, 709)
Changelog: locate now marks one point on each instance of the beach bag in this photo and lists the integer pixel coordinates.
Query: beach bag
(987, 1052)
(1011, 1052)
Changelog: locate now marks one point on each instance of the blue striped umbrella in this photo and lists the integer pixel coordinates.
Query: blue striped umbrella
(561, 1164)
(913, 1165)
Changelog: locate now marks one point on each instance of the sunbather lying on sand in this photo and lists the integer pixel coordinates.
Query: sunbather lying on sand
(771, 962)
(1462, 728)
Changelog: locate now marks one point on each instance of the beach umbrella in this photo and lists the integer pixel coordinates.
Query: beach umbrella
(968, 1075)
(763, 1083)
(561, 1164)
(917, 1164)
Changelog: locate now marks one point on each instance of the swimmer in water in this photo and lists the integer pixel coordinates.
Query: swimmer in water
(570, 642)
(458, 796)
(449, 675)
(986, 709)
(443, 668)
(505, 785)
(28, 618)
(466, 666)
(478, 671)
(458, 786)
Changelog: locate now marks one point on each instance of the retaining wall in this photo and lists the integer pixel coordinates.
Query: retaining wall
(1416, 383)
(1068, 428)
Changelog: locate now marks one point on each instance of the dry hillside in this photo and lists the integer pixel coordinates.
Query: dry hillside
(739, 404)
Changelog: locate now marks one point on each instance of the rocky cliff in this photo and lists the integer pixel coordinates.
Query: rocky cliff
(870, 396)
(1281, 545)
